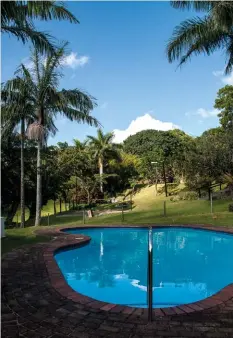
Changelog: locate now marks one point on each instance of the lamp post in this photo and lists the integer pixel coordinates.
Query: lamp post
(156, 179)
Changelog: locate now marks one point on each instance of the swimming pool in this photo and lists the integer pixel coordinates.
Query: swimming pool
(188, 265)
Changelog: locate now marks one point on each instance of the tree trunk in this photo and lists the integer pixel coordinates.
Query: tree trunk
(156, 187)
(88, 197)
(164, 177)
(22, 197)
(32, 211)
(76, 191)
(60, 205)
(101, 170)
(182, 178)
(54, 206)
(38, 185)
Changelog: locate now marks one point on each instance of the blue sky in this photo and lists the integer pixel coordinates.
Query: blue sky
(117, 54)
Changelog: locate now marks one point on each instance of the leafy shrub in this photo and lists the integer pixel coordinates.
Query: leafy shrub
(185, 196)
(230, 208)
(84, 206)
(175, 198)
(102, 201)
(188, 195)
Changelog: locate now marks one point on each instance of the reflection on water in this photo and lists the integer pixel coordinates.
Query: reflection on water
(188, 265)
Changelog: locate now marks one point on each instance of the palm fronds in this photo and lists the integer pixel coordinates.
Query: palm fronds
(17, 19)
(203, 35)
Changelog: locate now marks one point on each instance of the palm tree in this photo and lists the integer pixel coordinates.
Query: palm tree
(81, 146)
(18, 111)
(17, 19)
(203, 35)
(103, 148)
(48, 101)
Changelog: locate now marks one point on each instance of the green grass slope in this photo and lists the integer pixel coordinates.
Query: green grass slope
(147, 209)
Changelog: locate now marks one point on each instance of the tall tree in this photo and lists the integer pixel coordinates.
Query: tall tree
(204, 34)
(104, 149)
(48, 101)
(17, 109)
(17, 19)
(224, 102)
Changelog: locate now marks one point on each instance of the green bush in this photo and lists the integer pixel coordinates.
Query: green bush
(188, 195)
(175, 198)
(230, 208)
(185, 196)
(84, 206)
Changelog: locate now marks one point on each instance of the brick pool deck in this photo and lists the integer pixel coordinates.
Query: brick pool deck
(37, 302)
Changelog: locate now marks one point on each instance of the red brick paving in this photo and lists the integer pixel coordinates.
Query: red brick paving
(37, 302)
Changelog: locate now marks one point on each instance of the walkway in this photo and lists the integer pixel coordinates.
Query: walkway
(34, 305)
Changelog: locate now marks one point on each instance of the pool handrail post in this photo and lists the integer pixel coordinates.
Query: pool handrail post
(150, 275)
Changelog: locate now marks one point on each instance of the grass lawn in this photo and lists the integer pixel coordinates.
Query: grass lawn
(148, 208)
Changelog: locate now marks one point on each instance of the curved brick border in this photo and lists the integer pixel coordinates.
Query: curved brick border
(33, 308)
(59, 283)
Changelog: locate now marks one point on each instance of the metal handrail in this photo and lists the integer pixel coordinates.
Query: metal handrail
(150, 275)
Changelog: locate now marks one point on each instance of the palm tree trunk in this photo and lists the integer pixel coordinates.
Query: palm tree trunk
(22, 197)
(54, 206)
(101, 171)
(38, 185)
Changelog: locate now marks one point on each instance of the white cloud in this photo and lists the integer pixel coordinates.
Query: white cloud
(226, 79)
(204, 113)
(144, 122)
(218, 73)
(73, 60)
(104, 105)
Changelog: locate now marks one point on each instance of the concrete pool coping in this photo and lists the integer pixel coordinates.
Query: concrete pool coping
(70, 240)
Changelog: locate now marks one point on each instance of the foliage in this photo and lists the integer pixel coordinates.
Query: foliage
(209, 160)
(103, 149)
(102, 146)
(38, 86)
(10, 166)
(205, 34)
(231, 207)
(17, 20)
(224, 102)
(185, 196)
(126, 171)
(169, 147)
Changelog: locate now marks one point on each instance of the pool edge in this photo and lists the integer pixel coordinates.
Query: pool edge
(66, 240)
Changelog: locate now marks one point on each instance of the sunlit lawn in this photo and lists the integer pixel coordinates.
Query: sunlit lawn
(148, 209)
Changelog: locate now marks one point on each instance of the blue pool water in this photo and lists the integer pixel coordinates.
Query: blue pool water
(188, 265)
